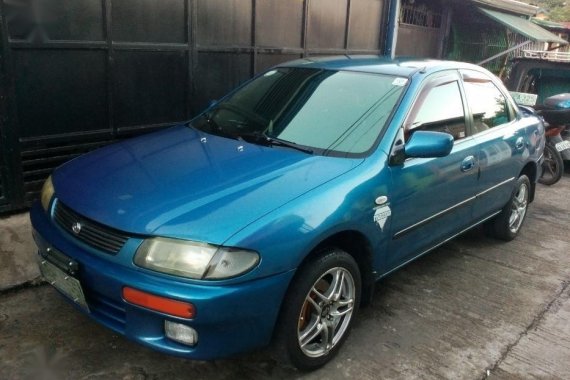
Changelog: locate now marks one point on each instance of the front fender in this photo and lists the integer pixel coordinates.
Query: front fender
(287, 235)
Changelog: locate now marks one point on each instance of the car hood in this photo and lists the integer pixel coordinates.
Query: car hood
(186, 184)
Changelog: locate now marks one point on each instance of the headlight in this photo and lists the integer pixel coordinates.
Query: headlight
(47, 193)
(194, 260)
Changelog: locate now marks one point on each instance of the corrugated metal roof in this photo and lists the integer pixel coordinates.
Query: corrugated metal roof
(523, 26)
(550, 24)
(510, 6)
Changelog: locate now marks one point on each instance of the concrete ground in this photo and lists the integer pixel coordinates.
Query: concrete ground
(476, 308)
(17, 252)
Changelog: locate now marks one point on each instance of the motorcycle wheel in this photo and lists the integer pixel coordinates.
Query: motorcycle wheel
(552, 167)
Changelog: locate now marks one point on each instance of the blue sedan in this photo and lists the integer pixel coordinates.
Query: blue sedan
(271, 215)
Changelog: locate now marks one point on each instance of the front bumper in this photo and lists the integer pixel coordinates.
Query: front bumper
(229, 319)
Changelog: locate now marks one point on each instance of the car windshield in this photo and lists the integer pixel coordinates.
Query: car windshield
(317, 111)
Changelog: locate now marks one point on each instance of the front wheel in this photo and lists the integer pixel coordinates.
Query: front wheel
(552, 166)
(319, 309)
(508, 223)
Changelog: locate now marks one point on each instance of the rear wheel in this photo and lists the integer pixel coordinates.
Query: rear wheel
(552, 166)
(508, 223)
(319, 309)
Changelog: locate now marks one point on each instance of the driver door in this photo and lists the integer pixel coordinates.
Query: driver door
(431, 198)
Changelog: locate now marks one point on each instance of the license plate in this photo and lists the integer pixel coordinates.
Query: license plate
(563, 145)
(63, 282)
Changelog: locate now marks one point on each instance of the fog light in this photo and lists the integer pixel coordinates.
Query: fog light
(181, 333)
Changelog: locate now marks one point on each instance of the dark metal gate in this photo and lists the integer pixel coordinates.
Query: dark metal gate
(421, 29)
(79, 74)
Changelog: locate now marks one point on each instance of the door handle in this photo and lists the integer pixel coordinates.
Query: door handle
(468, 164)
(519, 144)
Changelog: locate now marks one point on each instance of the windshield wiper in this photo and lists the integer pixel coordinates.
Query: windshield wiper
(263, 139)
(215, 129)
(288, 144)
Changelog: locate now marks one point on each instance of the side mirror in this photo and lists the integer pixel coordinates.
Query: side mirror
(429, 144)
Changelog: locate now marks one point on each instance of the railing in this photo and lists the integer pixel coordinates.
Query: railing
(558, 56)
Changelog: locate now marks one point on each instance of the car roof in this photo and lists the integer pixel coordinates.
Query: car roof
(402, 66)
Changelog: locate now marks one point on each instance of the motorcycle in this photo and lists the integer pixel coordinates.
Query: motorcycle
(556, 114)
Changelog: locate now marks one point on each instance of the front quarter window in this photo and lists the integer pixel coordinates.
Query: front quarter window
(328, 111)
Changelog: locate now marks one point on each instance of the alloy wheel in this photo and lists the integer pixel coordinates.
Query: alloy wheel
(518, 208)
(326, 312)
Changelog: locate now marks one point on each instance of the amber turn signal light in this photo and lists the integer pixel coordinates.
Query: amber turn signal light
(161, 304)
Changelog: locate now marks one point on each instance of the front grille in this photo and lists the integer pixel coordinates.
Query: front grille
(92, 233)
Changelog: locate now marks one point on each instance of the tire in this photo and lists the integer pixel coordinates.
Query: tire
(507, 224)
(319, 309)
(552, 167)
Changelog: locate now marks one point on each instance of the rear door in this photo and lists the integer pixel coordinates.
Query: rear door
(503, 144)
(431, 199)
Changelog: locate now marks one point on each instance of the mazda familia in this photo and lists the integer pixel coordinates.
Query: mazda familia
(270, 216)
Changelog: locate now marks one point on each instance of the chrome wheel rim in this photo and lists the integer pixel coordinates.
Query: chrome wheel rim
(326, 312)
(518, 208)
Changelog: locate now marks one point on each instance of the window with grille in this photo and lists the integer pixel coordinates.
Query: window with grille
(418, 14)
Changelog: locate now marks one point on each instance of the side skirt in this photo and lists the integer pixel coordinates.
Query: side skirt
(438, 245)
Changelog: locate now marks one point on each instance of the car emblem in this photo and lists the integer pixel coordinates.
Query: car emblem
(76, 228)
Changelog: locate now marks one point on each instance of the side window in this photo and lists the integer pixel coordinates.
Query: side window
(439, 109)
(487, 104)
